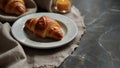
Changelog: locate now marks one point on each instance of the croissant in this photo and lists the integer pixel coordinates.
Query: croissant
(45, 27)
(16, 7)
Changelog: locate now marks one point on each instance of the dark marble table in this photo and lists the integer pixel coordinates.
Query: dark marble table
(100, 46)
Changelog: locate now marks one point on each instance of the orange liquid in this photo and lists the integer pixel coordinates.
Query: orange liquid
(63, 5)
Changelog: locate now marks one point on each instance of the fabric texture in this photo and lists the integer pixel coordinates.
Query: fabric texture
(15, 55)
(11, 52)
(31, 8)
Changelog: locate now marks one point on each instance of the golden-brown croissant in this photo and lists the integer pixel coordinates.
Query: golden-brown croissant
(45, 27)
(16, 7)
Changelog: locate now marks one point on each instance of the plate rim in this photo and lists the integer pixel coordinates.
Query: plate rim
(48, 14)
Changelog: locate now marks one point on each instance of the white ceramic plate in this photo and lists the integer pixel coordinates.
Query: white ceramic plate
(69, 29)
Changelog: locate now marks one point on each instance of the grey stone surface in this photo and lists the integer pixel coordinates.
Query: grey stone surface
(100, 46)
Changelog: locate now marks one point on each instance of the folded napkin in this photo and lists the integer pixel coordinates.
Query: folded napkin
(11, 52)
(13, 55)
(31, 8)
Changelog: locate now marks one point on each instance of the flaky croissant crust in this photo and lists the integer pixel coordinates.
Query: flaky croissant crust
(45, 27)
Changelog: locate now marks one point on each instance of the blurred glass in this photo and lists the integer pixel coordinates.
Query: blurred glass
(62, 6)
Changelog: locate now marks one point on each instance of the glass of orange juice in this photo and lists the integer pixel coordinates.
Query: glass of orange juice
(62, 6)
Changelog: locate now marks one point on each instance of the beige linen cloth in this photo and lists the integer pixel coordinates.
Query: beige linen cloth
(15, 55)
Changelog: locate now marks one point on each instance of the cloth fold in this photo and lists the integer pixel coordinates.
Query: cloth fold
(14, 55)
(31, 8)
(10, 50)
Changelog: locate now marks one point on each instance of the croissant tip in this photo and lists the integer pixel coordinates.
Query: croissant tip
(20, 10)
(58, 36)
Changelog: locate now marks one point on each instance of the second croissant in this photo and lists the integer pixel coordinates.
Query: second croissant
(45, 27)
(16, 7)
